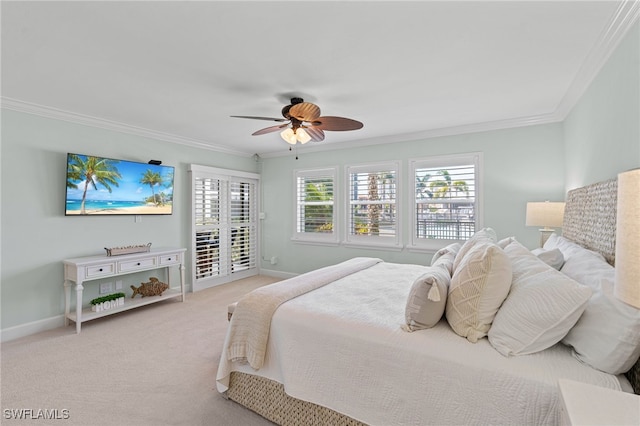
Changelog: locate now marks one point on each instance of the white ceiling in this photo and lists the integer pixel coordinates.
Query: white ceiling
(407, 70)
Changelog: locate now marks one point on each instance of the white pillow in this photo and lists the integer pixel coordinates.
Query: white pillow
(483, 235)
(446, 256)
(553, 258)
(505, 242)
(427, 299)
(541, 308)
(607, 335)
(567, 247)
(478, 287)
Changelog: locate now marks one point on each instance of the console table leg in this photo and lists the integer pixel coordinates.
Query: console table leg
(182, 280)
(79, 289)
(67, 301)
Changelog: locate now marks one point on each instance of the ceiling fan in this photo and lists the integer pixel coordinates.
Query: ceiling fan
(304, 123)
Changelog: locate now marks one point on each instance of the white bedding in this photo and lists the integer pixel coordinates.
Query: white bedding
(341, 346)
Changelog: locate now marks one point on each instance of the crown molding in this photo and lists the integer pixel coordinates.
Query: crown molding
(76, 118)
(624, 18)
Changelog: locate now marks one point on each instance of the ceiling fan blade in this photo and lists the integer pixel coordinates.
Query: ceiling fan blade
(305, 111)
(317, 135)
(336, 123)
(259, 118)
(269, 129)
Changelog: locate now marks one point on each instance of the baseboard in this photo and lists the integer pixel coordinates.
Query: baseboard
(22, 330)
(277, 274)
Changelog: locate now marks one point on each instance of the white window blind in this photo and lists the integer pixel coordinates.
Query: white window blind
(243, 225)
(315, 209)
(446, 203)
(207, 214)
(372, 207)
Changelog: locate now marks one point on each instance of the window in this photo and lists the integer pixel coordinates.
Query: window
(372, 209)
(315, 209)
(446, 199)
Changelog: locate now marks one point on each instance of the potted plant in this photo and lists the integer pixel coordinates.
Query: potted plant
(109, 301)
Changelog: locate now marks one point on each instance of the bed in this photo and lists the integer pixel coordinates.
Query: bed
(326, 348)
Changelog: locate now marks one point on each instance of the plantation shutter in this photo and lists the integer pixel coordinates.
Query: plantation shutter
(373, 215)
(446, 198)
(315, 214)
(243, 226)
(208, 219)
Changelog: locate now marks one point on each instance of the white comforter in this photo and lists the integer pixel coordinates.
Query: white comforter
(342, 346)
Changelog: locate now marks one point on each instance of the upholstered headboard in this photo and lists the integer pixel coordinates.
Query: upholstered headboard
(590, 221)
(590, 217)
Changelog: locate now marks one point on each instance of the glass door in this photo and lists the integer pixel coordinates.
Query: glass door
(225, 227)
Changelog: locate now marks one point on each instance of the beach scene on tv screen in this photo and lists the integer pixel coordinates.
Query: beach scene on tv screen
(103, 186)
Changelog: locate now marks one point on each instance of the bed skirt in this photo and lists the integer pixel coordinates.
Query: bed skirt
(267, 398)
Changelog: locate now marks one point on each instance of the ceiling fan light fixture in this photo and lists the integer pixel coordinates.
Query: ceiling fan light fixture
(303, 136)
(289, 136)
(292, 136)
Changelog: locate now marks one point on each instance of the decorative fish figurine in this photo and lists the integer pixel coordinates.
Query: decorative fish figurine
(153, 288)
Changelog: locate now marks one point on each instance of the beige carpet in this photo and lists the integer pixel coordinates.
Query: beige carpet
(154, 365)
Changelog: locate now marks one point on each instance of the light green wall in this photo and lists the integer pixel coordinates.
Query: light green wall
(36, 235)
(520, 165)
(602, 133)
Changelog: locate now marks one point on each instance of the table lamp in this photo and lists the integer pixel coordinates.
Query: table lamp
(546, 214)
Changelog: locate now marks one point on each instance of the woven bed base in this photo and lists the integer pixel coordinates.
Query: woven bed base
(267, 398)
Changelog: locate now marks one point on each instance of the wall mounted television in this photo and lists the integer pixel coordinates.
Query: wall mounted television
(106, 186)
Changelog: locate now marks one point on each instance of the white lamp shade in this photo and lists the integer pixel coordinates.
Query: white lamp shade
(546, 213)
(627, 286)
(289, 136)
(303, 136)
(292, 137)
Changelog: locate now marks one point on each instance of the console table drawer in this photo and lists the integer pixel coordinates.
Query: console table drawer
(137, 264)
(100, 270)
(169, 259)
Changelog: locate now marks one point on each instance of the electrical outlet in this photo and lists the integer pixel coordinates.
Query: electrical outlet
(274, 260)
(119, 285)
(106, 287)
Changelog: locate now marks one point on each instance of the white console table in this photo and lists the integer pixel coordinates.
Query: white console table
(82, 269)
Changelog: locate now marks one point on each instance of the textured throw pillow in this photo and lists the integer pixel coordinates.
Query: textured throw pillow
(478, 287)
(553, 258)
(482, 236)
(607, 335)
(446, 256)
(427, 299)
(541, 308)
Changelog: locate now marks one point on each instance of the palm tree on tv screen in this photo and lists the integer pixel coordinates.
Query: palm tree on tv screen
(152, 179)
(93, 170)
